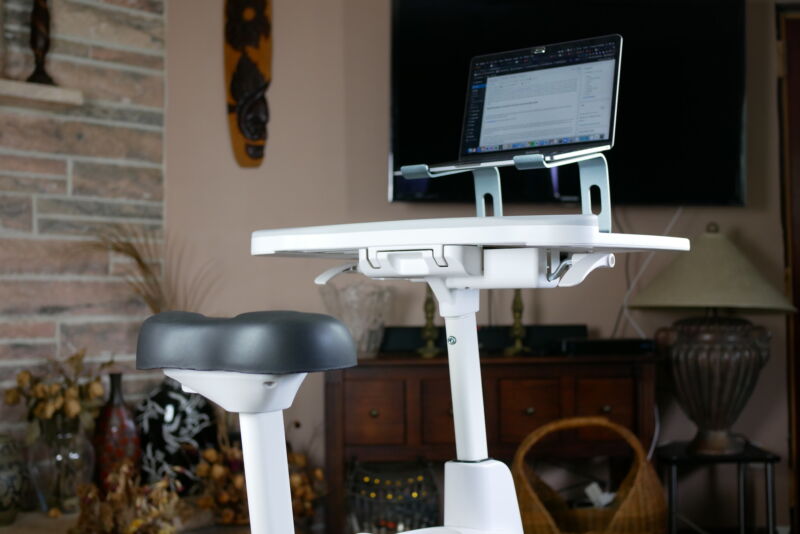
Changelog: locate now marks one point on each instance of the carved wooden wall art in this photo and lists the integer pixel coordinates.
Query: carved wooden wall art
(248, 72)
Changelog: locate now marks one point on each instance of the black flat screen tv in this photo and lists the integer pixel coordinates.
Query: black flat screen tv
(680, 122)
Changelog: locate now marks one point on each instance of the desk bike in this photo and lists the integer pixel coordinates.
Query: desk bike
(253, 364)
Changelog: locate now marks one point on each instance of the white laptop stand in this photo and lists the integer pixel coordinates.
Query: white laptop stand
(457, 257)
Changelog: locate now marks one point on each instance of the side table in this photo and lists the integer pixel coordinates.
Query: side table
(674, 455)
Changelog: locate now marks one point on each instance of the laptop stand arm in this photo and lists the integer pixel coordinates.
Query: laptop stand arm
(486, 179)
(593, 173)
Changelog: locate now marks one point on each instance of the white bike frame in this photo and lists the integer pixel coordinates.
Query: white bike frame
(456, 257)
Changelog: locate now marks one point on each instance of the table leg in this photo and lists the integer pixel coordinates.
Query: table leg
(742, 468)
(672, 496)
(770, 498)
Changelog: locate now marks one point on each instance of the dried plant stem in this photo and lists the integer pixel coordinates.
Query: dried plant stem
(161, 288)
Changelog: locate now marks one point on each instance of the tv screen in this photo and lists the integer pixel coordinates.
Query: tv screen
(680, 120)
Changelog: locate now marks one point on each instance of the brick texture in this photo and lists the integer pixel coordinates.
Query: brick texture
(27, 330)
(117, 181)
(36, 133)
(51, 257)
(102, 338)
(16, 213)
(68, 173)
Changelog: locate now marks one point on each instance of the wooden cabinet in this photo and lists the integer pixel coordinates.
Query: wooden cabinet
(376, 414)
(399, 409)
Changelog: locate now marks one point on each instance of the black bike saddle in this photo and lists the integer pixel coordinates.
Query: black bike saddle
(269, 342)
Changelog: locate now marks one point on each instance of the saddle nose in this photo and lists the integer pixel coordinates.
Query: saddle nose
(266, 342)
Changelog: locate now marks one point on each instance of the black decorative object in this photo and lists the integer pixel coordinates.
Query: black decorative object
(40, 41)
(245, 23)
(247, 89)
(175, 427)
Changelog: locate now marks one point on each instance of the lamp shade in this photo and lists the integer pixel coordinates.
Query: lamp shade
(714, 274)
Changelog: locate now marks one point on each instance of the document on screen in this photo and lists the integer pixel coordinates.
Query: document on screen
(548, 107)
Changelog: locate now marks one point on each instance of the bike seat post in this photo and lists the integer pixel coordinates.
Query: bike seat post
(259, 400)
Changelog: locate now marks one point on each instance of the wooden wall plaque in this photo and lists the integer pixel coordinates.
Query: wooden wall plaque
(248, 72)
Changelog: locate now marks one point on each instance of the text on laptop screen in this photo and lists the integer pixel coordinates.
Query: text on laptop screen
(537, 97)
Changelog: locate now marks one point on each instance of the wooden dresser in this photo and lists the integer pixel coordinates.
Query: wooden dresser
(399, 409)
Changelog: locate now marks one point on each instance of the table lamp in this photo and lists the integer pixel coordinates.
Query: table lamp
(716, 358)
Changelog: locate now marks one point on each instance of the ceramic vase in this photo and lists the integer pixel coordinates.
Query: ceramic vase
(174, 427)
(116, 436)
(60, 461)
(12, 471)
(715, 365)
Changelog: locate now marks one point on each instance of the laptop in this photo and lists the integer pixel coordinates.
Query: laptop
(558, 100)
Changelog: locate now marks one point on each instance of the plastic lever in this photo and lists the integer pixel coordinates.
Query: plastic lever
(333, 272)
(582, 265)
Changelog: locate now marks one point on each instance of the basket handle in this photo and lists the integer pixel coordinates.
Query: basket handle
(576, 422)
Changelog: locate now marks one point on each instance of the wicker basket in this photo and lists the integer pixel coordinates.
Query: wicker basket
(639, 507)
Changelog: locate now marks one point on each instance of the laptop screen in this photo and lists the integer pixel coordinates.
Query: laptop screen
(547, 99)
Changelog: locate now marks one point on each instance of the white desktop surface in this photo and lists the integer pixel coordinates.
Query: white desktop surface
(572, 233)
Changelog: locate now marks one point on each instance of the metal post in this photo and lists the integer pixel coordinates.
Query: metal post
(742, 471)
(770, 497)
(466, 387)
(672, 495)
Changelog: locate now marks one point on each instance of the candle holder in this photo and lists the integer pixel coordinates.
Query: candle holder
(517, 330)
(40, 41)
(429, 332)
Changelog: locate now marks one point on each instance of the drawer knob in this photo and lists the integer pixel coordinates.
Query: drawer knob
(530, 410)
(606, 408)
(374, 413)
(450, 411)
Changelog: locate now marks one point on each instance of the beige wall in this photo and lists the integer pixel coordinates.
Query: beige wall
(326, 163)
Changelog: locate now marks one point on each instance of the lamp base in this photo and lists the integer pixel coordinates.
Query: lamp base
(716, 443)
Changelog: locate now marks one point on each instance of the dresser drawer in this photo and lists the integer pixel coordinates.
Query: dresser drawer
(613, 398)
(374, 412)
(437, 411)
(525, 404)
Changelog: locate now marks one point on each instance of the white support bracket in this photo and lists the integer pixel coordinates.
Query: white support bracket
(593, 173)
(486, 180)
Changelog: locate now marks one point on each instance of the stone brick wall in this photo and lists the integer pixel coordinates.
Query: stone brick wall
(66, 172)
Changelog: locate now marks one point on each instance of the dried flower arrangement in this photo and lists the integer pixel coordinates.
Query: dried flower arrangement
(67, 391)
(307, 484)
(162, 287)
(128, 507)
(224, 491)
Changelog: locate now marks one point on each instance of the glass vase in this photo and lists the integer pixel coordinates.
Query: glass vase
(12, 469)
(362, 307)
(60, 461)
